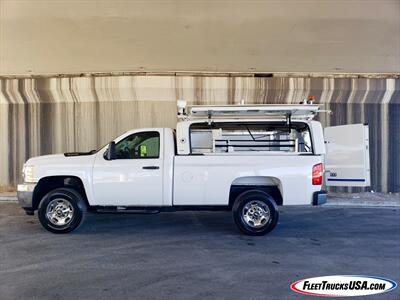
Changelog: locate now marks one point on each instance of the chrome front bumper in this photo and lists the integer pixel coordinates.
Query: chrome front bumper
(25, 196)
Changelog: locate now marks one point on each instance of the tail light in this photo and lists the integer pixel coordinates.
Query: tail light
(317, 172)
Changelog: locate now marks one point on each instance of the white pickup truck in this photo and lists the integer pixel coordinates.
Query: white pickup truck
(244, 159)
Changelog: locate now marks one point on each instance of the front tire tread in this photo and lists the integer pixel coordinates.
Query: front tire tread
(76, 200)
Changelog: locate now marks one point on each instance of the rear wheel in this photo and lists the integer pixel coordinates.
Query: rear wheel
(62, 210)
(255, 212)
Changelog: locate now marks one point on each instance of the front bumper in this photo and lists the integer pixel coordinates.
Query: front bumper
(25, 196)
(319, 197)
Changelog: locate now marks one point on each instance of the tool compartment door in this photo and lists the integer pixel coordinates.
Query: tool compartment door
(347, 155)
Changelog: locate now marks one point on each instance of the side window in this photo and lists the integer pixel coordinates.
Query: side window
(139, 145)
(254, 137)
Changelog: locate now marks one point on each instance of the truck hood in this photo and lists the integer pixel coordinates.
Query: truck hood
(80, 166)
(44, 159)
(67, 158)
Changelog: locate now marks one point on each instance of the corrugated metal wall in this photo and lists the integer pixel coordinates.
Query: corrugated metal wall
(52, 115)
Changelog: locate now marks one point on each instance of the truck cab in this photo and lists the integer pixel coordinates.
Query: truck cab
(245, 159)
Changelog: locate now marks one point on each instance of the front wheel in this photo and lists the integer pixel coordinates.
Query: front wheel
(255, 212)
(61, 210)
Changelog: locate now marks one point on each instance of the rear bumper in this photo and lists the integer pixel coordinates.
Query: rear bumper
(25, 196)
(319, 197)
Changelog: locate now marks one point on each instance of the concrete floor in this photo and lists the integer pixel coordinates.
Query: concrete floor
(194, 255)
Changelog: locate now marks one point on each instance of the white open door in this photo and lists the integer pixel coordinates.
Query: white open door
(347, 155)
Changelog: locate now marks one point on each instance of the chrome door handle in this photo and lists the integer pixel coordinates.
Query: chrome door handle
(151, 167)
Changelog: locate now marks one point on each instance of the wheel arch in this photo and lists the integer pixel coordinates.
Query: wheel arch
(267, 184)
(49, 183)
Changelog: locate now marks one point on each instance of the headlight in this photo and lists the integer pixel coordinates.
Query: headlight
(27, 173)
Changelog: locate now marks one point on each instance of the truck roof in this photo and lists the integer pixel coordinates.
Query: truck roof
(299, 111)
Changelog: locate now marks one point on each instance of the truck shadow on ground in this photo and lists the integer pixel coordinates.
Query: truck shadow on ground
(167, 223)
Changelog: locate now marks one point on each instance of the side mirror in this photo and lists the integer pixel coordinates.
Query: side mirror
(111, 152)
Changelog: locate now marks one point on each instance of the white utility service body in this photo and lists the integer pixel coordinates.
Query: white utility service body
(277, 150)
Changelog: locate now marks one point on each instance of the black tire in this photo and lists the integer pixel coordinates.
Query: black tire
(73, 214)
(255, 199)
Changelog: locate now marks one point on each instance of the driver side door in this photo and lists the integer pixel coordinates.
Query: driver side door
(134, 178)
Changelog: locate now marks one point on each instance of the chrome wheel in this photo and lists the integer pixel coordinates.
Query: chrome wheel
(59, 212)
(256, 214)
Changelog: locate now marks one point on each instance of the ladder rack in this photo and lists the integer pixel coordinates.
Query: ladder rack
(283, 111)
